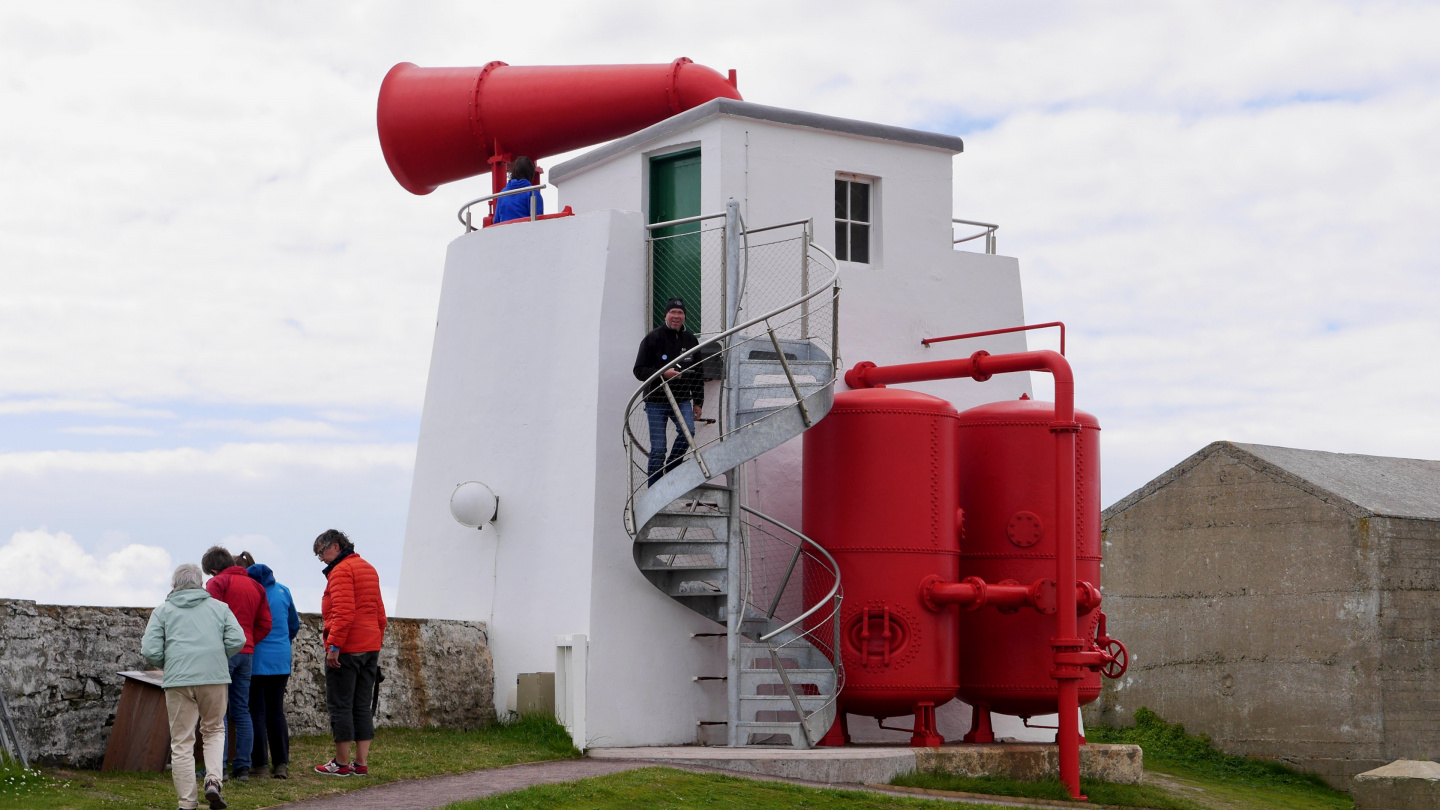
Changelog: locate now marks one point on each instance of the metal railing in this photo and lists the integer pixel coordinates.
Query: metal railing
(797, 319)
(464, 213)
(988, 233)
(10, 745)
(792, 582)
(776, 373)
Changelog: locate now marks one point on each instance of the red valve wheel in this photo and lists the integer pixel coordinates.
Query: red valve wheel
(1119, 660)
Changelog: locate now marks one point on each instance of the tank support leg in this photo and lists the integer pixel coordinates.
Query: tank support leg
(980, 729)
(839, 733)
(926, 734)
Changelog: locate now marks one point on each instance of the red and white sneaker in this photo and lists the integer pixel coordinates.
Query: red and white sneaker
(359, 770)
(333, 768)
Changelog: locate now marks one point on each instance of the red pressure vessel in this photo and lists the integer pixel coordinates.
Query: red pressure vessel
(443, 124)
(880, 494)
(1006, 458)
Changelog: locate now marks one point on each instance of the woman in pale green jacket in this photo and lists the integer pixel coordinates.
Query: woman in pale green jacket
(192, 636)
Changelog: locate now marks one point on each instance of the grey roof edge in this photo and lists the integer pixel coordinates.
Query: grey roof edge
(758, 112)
(1238, 452)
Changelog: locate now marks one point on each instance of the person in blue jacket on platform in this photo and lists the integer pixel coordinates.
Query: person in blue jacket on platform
(270, 676)
(517, 206)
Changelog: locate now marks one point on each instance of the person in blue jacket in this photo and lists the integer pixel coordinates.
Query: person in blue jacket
(517, 206)
(270, 675)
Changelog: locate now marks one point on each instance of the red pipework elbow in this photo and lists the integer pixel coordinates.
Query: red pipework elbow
(979, 367)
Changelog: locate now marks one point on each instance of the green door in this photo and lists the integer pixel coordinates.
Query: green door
(675, 252)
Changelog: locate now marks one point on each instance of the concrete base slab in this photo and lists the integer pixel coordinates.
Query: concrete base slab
(878, 764)
(848, 765)
(1402, 785)
(1034, 761)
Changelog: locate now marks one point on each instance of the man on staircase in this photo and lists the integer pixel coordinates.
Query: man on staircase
(660, 350)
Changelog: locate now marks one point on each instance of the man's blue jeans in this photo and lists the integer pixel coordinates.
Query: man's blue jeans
(238, 714)
(661, 415)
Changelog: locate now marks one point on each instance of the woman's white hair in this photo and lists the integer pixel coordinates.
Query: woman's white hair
(186, 577)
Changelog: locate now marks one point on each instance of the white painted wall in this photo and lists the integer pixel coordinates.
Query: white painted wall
(530, 371)
(917, 285)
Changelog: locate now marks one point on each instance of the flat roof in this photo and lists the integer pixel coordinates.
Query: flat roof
(758, 112)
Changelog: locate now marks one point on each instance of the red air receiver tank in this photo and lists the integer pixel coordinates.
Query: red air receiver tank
(880, 494)
(1007, 492)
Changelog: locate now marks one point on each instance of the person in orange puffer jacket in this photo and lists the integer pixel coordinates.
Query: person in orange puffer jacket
(354, 618)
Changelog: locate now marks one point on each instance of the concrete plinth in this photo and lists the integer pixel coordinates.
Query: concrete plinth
(878, 764)
(1402, 785)
(850, 765)
(1033, 761)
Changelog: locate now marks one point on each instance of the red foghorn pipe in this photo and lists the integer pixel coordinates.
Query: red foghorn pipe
(1067, 643)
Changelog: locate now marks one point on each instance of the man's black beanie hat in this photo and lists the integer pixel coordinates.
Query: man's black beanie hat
(675, 303)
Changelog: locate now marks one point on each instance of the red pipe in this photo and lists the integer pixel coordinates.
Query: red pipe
(1067, 644)
(973, 593)
(928, 341)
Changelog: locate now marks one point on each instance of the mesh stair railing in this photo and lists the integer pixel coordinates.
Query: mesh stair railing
(788, 684)
(690, 530)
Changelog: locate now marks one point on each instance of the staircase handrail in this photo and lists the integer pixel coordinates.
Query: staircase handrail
(734, 330)
(834, 566)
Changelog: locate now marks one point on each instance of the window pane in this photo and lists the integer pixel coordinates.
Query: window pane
(840, 242)
(859, 202)
(859, 242)
(840, 194)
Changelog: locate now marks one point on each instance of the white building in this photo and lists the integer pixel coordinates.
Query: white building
(531, 375)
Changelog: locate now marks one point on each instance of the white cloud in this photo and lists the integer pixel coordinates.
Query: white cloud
(54, 569)
(111, 409)
(110, 430)
(232, 459)
(1229, 203)
(281, 428)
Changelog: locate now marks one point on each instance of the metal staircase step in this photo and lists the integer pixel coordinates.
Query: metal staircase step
(821, 370)
(781, 379)
(823, 679)
(796, 656)
(709, 564)
(810, 703)
(691, 587)
(685, 529)
(759, 735)
(718, 551)
(770, 397)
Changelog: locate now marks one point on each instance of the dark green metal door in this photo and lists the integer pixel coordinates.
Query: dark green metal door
(675, 251)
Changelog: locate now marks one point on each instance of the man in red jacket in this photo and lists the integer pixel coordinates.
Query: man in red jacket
(354, 616)
(232, 585)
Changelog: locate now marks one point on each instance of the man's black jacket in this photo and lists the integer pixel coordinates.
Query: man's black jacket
(658, 350)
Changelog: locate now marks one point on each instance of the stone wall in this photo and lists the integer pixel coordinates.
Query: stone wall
(1282, 622)
(58, 666)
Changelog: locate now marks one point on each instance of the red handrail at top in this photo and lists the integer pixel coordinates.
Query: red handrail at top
(928, 341)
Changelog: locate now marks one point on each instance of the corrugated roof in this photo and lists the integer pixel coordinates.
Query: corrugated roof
(1374, 485)
(758, 112)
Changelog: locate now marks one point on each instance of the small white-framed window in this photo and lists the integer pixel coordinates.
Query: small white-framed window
(854, 217)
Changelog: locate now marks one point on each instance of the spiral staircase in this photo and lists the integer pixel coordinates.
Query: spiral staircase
(776, 592)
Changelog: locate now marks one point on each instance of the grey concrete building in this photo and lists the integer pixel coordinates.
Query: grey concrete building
(1285, 602)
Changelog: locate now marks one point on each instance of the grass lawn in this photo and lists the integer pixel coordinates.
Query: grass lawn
(1107, 793)
(667, 787)
(398, 754)
(1191, 765)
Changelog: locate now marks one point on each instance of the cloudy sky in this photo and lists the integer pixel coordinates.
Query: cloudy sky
(217, 305)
